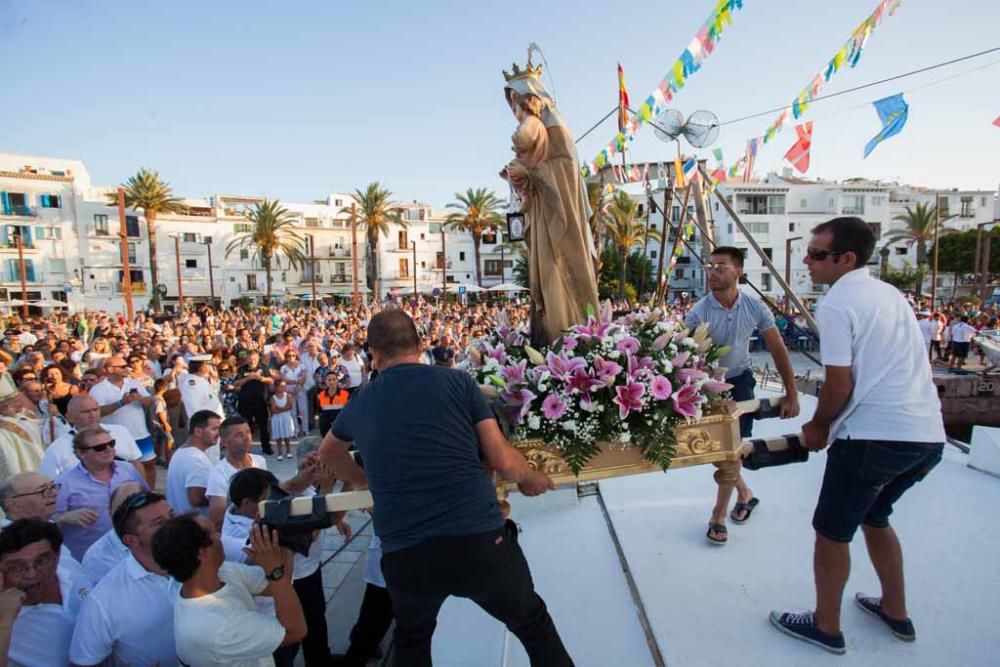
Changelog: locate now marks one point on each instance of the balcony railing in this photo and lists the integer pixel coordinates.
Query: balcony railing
(20, 210)
(339, 278)
(13, 246)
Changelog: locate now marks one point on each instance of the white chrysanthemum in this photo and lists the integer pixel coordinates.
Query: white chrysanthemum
(534, 423)
(569, 425)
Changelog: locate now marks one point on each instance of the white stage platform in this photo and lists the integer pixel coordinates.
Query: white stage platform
(709, 606)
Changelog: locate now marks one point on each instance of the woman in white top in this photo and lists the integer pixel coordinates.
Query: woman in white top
(295, 375)
(355, 368)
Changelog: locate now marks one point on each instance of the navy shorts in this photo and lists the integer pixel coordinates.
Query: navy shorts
(864, 479)
(146, 448)
(743, 385)
(961, 350)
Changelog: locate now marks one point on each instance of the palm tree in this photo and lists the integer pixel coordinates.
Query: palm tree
(376, 211)
(600, 203)
(919, 228)
(147, 191)
(626, 231)
(478, 212)
(271, 235)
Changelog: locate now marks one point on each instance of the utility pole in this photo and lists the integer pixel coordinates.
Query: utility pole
(413, 244)
(444, 267)
(937, 232)
(668, 195)
(126, 269)
(312, 266)
(788, 264)
(177, 261)
(645, 240)
(24, 281)
(986, 267)
(211, 276)
(503, 278)
(355, 294)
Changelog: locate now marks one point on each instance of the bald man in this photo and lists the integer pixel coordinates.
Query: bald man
(84, 412)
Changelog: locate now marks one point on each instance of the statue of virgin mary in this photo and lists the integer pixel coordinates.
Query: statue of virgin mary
(545, 176)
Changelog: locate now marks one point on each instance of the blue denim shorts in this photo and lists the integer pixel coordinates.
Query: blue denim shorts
(743, 386)
(864, 479)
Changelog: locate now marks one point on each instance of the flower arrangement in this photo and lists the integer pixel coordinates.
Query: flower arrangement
(628, 380)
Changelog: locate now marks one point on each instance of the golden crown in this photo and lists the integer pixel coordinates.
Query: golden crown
(518, 73)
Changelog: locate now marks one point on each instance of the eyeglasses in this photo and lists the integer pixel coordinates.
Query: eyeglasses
(50, 490)
(19, 569)
(718, 268)
(99, 447)
(820, 255)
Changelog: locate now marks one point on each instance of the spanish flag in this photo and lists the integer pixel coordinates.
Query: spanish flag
(622, 100)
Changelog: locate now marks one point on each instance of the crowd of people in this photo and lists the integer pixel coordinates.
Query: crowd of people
(94, 550)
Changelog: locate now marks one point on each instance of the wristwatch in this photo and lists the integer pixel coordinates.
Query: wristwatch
(276, 574)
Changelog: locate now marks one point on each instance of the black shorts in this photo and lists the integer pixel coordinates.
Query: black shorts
(864, 478)
(960, 350)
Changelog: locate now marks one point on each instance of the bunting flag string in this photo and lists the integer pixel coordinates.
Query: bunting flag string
(751, 156)
(893, 112)
(623, 103)
(798, 154)
(997, 121)
(688, 63)
(849, 53)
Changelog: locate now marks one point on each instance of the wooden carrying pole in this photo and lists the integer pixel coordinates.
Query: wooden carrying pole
(126, 269)
(791, 296)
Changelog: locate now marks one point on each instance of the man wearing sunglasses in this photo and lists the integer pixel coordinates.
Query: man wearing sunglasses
(129, 616)
(123, 401)
(83, 412)
(52, 592)
(89, 485)
(732, 318)
(879, 411)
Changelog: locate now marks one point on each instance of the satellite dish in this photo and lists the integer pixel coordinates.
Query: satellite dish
(669, 125)
(701, 129)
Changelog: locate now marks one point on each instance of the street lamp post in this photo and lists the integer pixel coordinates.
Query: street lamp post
(788, 265)
(981, 266)
(24, 281)
(211, 276)
(312, 266)
(413, 244)
(177, 262)
(937, 233)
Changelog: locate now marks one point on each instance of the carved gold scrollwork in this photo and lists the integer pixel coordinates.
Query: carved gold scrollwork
(544, 461)
(691, 442)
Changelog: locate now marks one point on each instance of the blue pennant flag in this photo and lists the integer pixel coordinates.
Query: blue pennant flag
(893, 112)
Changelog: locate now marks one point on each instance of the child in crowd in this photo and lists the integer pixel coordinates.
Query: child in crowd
(282, 424)
(162, 432)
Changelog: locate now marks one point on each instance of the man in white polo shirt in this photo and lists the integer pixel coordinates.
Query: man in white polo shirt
(129, 617)
(879, 411)
(236, 437)
(29, 560)
(123, 401)
(109, 551)
(83, 412)
(190, 466)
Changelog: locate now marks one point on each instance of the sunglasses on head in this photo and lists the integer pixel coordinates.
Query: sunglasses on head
(100, 447)
(820, 255)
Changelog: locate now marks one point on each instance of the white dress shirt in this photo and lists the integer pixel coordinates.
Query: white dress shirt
(129, 616)
(104, 555)
(42, 632)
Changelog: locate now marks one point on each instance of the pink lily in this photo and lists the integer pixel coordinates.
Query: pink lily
(680, 359)
(716, 387)
(607, 371)
(691, 375)
(519, 398)
(560, 366)
(582, 380)
(569, 343)
(662, 341)
(629, 398)
(593, 329)
(687, 401)
(514, 374)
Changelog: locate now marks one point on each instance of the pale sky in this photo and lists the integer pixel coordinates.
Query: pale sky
(298, 99)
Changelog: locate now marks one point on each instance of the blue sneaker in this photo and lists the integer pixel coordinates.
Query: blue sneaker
(803, 626)
(902, 629)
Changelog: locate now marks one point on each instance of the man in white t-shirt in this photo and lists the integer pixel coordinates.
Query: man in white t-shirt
(928, 328)
(235, 435)
(128, 618)
(53, 593)
(190, 465)
(961, 338)
(216, 622)
(123, 401)
(879, 411)
(83, 412)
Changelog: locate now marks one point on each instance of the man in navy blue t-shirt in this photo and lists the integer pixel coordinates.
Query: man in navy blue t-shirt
(427, 437)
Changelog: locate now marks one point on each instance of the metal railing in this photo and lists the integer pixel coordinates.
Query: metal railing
(20, 210)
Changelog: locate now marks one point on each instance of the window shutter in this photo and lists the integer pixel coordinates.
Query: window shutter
(29, 270)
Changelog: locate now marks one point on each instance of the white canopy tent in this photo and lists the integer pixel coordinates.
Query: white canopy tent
(508, 287)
